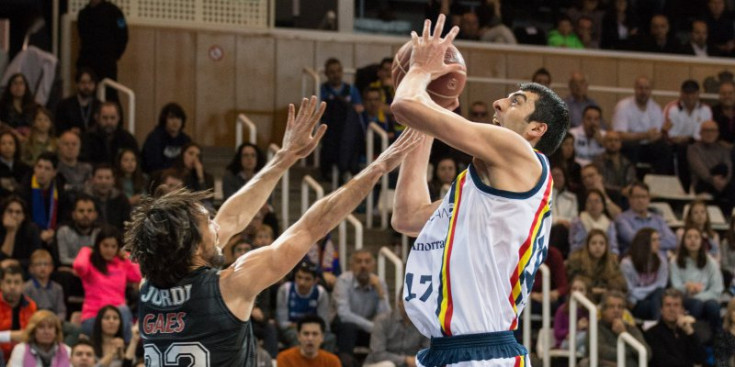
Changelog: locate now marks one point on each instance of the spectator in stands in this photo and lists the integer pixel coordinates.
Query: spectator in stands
(558, 287)
(724, 345)
(639, 120)
(325, 256)
(728, 256)
(43, 343)
(724, 113)
(698, 45)
(42, 137)
(646, 272)
(588, 137)
(189, 163)
(698, 217)
(75, 173)
(82, 354)
(15, 308)
(384, 83)
(469, 26)
(564, 157)
(619, 24)
(592, 179)
(17, 105)
(590, 9)
(75, 113)
(698, 276)
(584, 29)
(336, 89)
(163, 145)
(81, 232)
(593, 217)
(452, 9)
(105, 272)
(577, 101)
(307, 353)
(19, 235)
(395, 341)
(103, 35)
(112, 205)
(618, 173)
(375, 112)
(479, 112)
(610, 326)
(444, 174)
(103, 142)
(542, 76)
(247, 161)
(359, 297)
(107, 338)
(491, 23)
(673, 340)
(711, 167)
(12, 168)
(129, 178)
(598, 263)
(47, 294)
(564, 209)
(638, 216)
(563, 35)
(298, 299)
(581, 284)
(45, 195)
(658, 40)
(719, 23)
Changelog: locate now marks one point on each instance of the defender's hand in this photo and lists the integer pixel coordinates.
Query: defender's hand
(393, 156)
(298, 139)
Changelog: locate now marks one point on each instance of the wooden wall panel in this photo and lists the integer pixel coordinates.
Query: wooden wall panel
(629, 70)
(484, 64)
(599, 71)
(136, 70)
(370, 53)
(255, 91)
(669, 76)
(343, 51)
(702, 72)
(561, 67)
(523, 65)
(176, 73)
(215, 85)
(289, 61)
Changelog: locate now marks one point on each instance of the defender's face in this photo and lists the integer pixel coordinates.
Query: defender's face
(210, 251)
(513, 112)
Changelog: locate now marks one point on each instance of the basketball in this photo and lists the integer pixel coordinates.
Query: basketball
(444, 89)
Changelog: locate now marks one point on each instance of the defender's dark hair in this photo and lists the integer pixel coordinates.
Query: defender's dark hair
(311, 319)
(163, 234)
(172, 109)
(96, 258)
(551, 110)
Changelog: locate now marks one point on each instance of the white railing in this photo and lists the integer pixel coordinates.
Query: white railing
(272, 150)
(109, 83)
(252, 130)
(626, 338)
(343, 239)
(577, 297)
(545, 313)
(307, 183)
(373, 129)
(386, 253)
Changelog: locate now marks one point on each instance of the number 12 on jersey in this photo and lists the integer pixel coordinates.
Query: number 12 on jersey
(423, 279)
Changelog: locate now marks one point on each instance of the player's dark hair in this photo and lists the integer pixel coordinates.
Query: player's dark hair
(97, 337)
(172, 109)
(312, 319)
(551, 110)
(96, 258)
(163, 234)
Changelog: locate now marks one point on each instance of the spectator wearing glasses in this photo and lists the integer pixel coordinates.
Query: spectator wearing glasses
(479, 112)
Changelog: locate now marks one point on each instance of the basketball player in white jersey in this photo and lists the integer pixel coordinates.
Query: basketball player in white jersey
(472, 266)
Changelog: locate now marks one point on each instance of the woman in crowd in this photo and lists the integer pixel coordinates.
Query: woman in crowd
(189, 164)
(42, 344)
(698, 217)
(564, 210)
(164, 144)
(593, 217)
(596, 262)
(129, 178)
(105, 273)
(444, 174)
(725, 339)
(698, 277)
(19, 236)
(12, 168)
(248, 160)
(17, 104)
(108, 342)
(582, 284)
(42, 137)
(646, 273)
(564, 157)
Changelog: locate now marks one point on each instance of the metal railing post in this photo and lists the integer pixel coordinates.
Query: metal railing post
(242, 119)
(109, 83)
(627, 338)
(386, 253)
(307, 183)
(577, 297)
(343, 239)
(373, 129)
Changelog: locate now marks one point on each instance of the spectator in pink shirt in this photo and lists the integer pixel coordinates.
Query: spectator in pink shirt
(105, 271)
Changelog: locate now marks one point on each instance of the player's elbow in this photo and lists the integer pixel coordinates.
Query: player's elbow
(402, 223)
(403, 108)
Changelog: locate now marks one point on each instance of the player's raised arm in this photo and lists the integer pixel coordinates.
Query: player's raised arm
(298, 142)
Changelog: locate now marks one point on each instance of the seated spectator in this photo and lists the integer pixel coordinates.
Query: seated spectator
(113, 205)
(75, 113)
(129, 178)
(719, 23)
(610, 326)
(80, 232)
(336, 89)
(298, 299)
(698, 277)
(107, 138)
(584, 28)
(564, 209)
(384, 83)
(658, 40)
(557, 289)
(248, 161)
(588, 137)
(189, 163)
(619, 24)
(82, 354)
(596, 262)
(359, 297)
(17, 105)
(326, 257)
(672, 340)
(618, 173)
(375, 112)
(264, 236)
(42, 137)
(43, 343)
(592, 180)
(593, 217)
(638, 216)
(577, 101)
(469, 26)
(698, 217)
(75, 173)
(47, 294)
(163, 145)
(590, 9)
(646, 273)
(563, 35)
(698, 44)
(724, 345)
(581, 284)
(105, 272)
(15, 308)
(44, 192)
(169, 180)
(19, 235)
(479, 113)
(565, 158)
(395, 341)
(711, 167)
(542, 76)
(491, 23)
(12, 168)
(107, 338)
(444, 174)
(724, 113)
(308, 353)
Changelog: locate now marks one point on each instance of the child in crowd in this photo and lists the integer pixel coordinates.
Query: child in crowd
(47, 294)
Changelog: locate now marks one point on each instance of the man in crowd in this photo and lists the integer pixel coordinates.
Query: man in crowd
(81, 232)
(577, 101)
(395, 339)
(724, 113)
(617, 171)
(82, 354)
(298, 299)
(638, 216)
(673, 340)
(711, 166)
(308, 353)
(113, 206)
(75, 173)
(698, 45)
(610, 326)
(588, 137)
(15, 308)
(103, 142)
(76, 112)
(592, 179)
(45, 196)
(479, 112)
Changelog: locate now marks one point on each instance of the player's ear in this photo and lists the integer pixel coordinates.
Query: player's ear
(537, 129)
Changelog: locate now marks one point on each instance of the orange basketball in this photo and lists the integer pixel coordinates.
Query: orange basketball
(444, 89)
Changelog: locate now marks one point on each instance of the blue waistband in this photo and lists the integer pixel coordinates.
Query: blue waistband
(471, 347)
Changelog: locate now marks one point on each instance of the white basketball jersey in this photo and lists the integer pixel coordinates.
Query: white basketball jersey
(472, 266)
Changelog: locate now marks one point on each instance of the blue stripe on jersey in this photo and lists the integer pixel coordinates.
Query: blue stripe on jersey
(539, 261)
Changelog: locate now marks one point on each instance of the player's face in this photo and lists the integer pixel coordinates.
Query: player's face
(45, 333)
(82, 356)
(110, 323)
(310, 338)
(12, 288)
(597, 246)
(209, 250)
(304, 281)
(512, 112)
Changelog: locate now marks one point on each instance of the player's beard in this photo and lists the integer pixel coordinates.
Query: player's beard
(216, 258)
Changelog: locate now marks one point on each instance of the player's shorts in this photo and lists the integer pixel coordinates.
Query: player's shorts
(475, 350)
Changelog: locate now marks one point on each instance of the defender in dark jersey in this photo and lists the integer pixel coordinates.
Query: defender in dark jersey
(191, 313)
